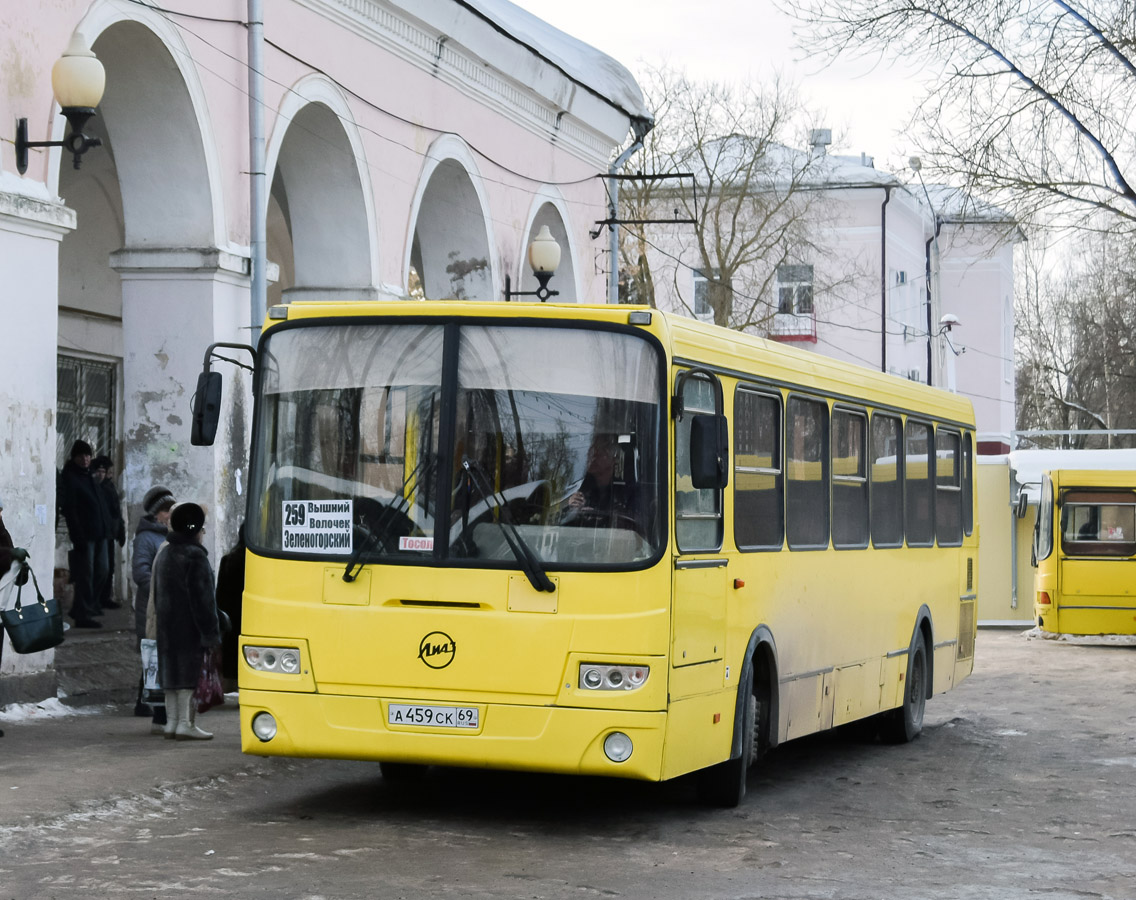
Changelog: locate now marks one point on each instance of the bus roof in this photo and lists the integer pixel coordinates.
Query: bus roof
(686, 339)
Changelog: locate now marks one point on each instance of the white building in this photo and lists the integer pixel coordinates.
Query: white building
(857, 286)
(407, 143)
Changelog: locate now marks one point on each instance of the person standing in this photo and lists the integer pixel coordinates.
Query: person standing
(186, 611)
(102, 469)
(84, 511)
(151, 533)
(230, 594)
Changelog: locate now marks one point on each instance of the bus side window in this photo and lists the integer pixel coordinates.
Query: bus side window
(948, 489)
(759, 485)
(698, 511)
(918, 486)
(849, 479)
(1043, 530)
(806, 458)
(887, 481)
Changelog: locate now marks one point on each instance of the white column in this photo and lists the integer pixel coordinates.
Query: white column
(175, 303)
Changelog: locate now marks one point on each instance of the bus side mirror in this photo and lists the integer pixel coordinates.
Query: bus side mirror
(709, 452)
(1023, 505)
(206, 409)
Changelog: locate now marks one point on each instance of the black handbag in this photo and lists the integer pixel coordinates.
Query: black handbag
(36, 626)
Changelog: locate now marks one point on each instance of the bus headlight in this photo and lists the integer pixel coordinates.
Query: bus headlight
(596, 677)
(285, 660)
(617, 747)
(264, 726)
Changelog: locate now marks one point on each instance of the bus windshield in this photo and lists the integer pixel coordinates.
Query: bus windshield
(369, 446)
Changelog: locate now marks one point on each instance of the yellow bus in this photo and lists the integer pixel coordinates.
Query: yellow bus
(589, 539)
(1085, 552)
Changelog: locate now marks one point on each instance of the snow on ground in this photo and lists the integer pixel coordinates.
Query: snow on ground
(45, 709)
(1094, 640)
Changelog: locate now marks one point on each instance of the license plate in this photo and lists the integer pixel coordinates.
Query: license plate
(435, 716)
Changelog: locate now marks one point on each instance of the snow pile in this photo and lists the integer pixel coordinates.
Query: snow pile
(1092, 640)
(45, 709)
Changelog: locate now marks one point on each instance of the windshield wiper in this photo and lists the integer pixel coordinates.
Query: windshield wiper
(530, 563)
(390, 514)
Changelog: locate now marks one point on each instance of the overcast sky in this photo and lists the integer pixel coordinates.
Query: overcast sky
(738, 39)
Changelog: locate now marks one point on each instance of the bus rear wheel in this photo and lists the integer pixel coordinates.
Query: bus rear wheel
(724, 785)
(904, 724)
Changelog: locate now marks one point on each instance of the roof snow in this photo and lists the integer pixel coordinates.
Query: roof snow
(581, 62)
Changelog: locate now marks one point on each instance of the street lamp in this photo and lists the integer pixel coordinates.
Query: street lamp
(544, 257)
(78, 80)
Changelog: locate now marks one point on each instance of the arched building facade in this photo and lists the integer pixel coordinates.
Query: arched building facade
(412, 149)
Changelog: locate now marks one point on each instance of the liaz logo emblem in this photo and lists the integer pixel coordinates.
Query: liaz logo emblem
(437, 650)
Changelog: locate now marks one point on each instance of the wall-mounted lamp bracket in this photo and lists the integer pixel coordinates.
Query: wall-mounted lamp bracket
(76, 143)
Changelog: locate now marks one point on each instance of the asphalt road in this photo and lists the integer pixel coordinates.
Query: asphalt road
(1023, 785)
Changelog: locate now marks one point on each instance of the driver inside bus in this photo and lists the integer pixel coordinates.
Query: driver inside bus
(601, 498)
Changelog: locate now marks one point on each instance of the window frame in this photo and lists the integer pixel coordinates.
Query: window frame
(927, 423)
(952, 488)
(861, 479)
(826, 474)
(778, 472)
(694, 375)
(900, 478)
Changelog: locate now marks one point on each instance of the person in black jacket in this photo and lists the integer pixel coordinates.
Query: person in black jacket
(186, 611)
(102, 470)
(83, 508)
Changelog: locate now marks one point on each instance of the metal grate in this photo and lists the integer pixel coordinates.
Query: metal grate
(84, 406)
(969, 574)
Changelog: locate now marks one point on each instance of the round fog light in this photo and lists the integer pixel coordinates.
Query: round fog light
(264, 727)
(617, 747)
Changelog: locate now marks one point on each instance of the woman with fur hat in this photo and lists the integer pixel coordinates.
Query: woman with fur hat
(150, 534)
(186, 611)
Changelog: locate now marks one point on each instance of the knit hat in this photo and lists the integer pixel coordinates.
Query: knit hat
(101, 462)
(80, 448)
(152, 502)
(187, 518)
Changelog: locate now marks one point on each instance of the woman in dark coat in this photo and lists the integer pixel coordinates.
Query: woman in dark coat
(186, 612)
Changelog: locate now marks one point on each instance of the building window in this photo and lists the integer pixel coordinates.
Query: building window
(84, 406)
(795, 289)
(703, 279)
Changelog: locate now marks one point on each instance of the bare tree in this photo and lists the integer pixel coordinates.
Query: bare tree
(751, 201)
(1033, 107)
(1075, 345)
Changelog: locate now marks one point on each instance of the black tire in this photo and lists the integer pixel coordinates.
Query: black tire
(900, 726)
(724, 785)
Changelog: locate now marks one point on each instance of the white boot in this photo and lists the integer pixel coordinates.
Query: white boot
(172, 706)
(187, 712)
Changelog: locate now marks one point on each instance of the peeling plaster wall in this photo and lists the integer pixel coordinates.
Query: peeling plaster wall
(30, 230)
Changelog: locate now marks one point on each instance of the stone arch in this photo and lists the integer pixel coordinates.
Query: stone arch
(451, 234)
(321, 215)
(548, 208)
(155, 111)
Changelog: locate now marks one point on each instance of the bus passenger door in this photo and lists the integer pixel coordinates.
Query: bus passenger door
(701, 572)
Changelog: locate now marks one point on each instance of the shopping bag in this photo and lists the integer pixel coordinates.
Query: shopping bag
(33, 627)
(209, 692)
(151, 690)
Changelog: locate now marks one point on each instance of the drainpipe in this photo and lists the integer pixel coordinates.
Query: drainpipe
(884, 279)
(639, 128)
(932, 240)
(258, 294)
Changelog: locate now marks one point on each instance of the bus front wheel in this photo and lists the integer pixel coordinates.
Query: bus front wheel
(904, 724)
(724, 785)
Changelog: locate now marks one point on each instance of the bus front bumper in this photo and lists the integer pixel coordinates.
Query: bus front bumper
(525, 738)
